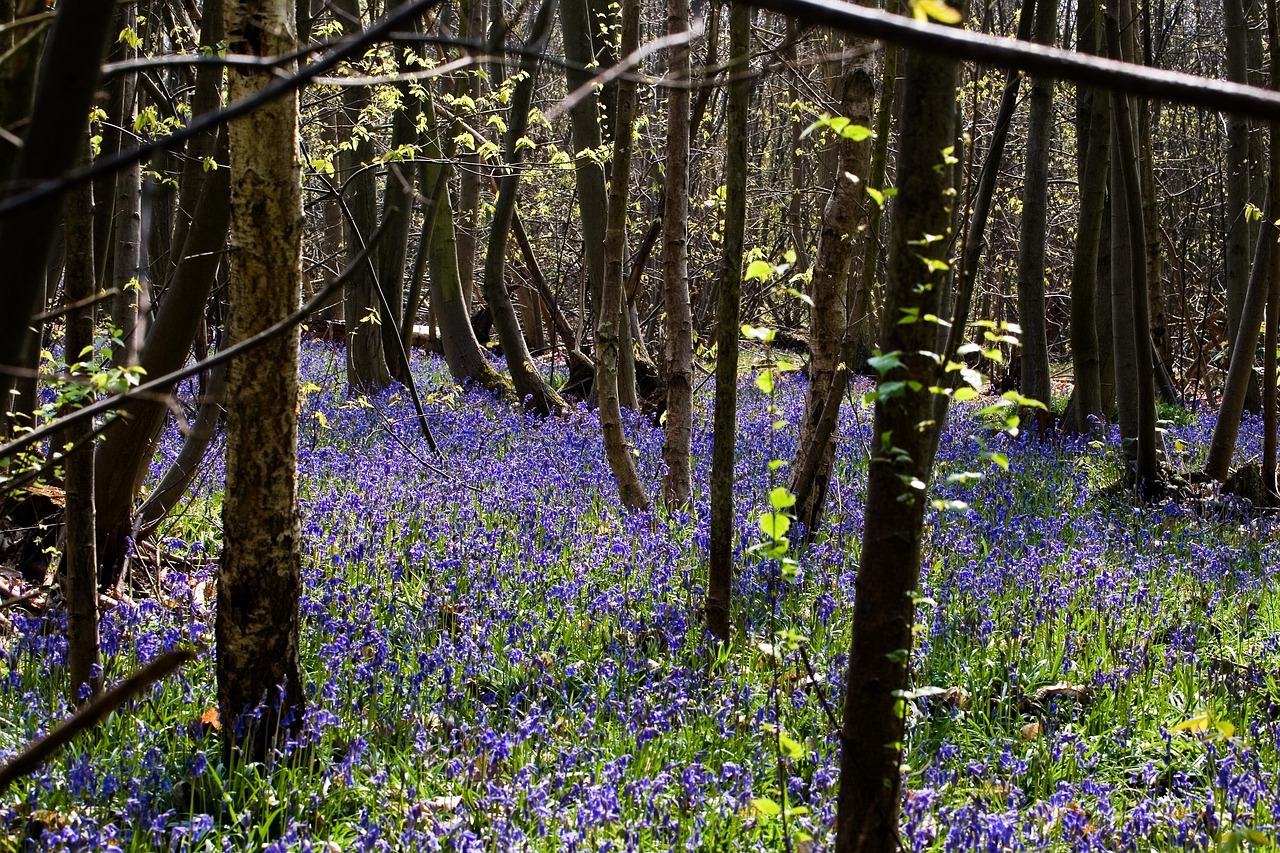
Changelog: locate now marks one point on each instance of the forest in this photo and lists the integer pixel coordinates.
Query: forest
(578, 425)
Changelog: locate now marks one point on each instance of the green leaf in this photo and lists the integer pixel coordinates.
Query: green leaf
(855, 132)
(764, 381)
(780, 498)
(964, 393)
(1001, 459)
(939, 11)
(766, 807)
(757, 271)
(791, 748)
(758, 333)
(882, 364)
(774, 524)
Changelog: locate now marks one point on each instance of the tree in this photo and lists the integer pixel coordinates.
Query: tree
(888, 573)
(678, 346)
(532, 390)
(831, 287)
(1034, 231)
(66, 82)
(609, 336)
(719, 598)
(259, 683)
(367, 369)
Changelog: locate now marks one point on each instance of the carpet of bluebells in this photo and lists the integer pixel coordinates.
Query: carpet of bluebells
(498, 658)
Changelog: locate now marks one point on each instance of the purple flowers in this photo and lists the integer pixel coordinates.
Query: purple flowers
(498, 657)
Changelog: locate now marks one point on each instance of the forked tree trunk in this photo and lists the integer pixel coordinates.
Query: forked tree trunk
(462, 351)
(608, 329)
(259, 684)
(831, 290)
(719, 599)
(889, 572)
(678, 345)
(531, 389)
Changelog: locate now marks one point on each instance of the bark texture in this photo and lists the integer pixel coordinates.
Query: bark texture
(888, 575)
(678, 343)
(259, 684)
(720, 568)
(609, 328)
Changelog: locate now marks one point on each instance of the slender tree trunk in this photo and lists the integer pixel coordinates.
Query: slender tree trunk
(66, 82)
(367, 370)
(831, 290)
(862, 312)
(1239, 190)
(584, 123)
(720, 572)
(471, 17)
(1128, 195)
(678, 344)
(608, 332)
(462, 352)
(397, 215)
(889, 571)
(80, 569)
(1034, 231)
(261, 571)
(1093, 124)
(531, 388)
(1086, 362)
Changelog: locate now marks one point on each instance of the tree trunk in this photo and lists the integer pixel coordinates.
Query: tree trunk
(367, 370)
(678, 343)
(1239, 191)
(462, 352)
(471, 17)
(608, 331)
(584, 124)
(80, 567)
(1133, 330)
(126, 447)
(397, 216)
(1033, 233)
(719, 600)
(1087, 410)
(888, 575)
(531, 389)
(67, 80)
(832, 289)
(259, 684)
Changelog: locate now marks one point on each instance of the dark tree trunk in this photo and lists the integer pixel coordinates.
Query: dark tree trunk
(831, 290)
(608, 329)
(888, 574)
(367, 370)
(531, 389)
(67, 80)
(720, 571)
(80, 568)
(1032, 237)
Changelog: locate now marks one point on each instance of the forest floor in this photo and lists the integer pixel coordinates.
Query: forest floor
(498, 658)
